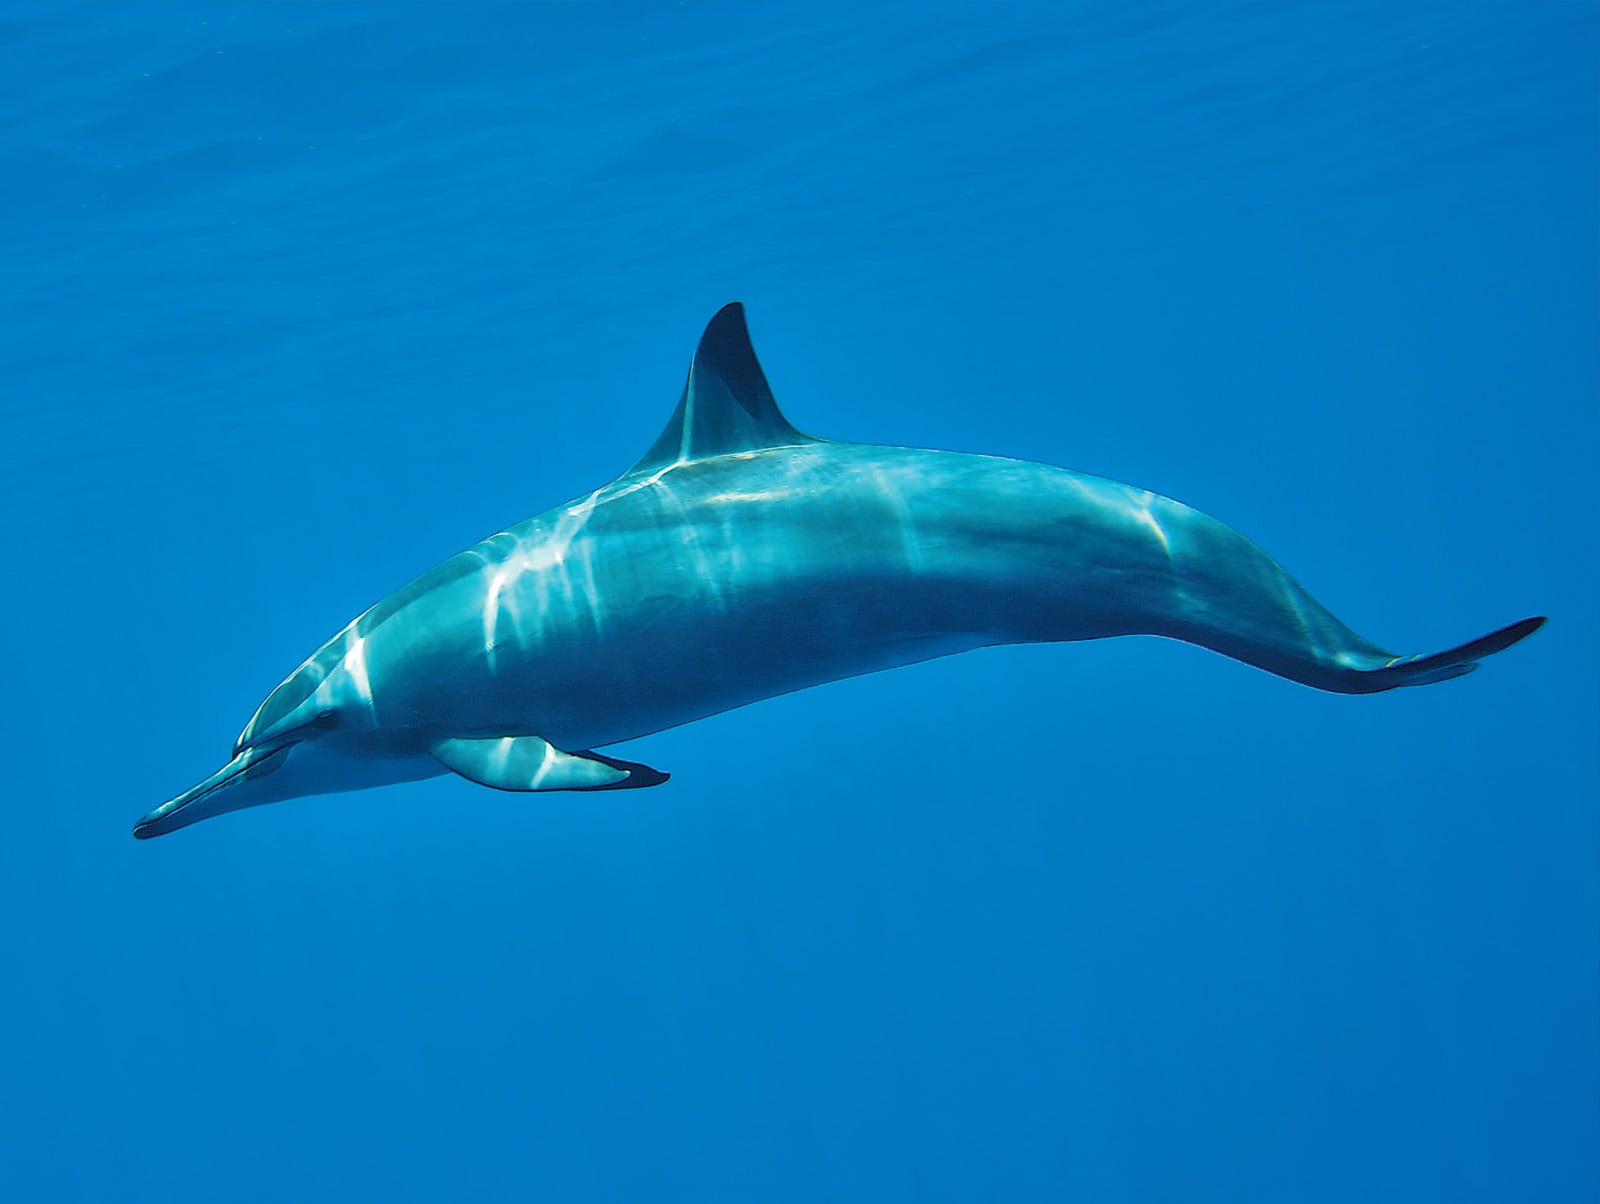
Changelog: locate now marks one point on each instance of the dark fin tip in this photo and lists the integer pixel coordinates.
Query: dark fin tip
(1499, 641)
(639, 775)
(1455, 662)
(726, 349)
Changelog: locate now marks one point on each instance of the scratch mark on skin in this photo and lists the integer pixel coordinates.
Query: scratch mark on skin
(355, 664)
(910, 540)
(1144, 514)
(684, 522)
(491, 614)
(544, 555)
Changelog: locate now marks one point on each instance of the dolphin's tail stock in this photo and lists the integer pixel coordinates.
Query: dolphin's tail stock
(1439, 666)
(1233, 598)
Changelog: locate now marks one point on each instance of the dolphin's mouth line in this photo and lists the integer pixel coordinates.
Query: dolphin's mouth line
(225, 776)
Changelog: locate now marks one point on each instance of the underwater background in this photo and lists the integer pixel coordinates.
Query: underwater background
(299, 299)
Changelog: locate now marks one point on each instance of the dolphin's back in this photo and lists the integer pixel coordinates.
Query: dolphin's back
(672, 595)
(675, 594)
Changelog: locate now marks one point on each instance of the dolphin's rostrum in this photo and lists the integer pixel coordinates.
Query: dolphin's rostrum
(740, 559)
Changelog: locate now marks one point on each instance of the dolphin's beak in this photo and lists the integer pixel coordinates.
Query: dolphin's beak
(223, 791)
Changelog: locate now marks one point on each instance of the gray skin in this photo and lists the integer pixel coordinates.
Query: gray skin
(739, 560)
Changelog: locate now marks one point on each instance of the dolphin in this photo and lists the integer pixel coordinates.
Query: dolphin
(739, 559)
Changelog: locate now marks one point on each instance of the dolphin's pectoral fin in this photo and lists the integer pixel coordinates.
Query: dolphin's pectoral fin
(533, 763)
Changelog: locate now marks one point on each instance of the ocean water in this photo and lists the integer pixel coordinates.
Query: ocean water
(299, 299)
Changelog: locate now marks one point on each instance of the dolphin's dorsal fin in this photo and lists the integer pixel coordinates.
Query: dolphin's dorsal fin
(726, 406)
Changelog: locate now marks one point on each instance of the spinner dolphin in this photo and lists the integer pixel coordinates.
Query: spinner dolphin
(738, 560)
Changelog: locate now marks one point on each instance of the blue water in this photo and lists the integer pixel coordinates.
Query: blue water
(299, 299)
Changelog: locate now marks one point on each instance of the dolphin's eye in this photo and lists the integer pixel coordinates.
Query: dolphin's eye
(326, 719)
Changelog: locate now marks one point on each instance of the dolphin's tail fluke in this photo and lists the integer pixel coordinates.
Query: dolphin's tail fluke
(1441, 666)
(1230, 596)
